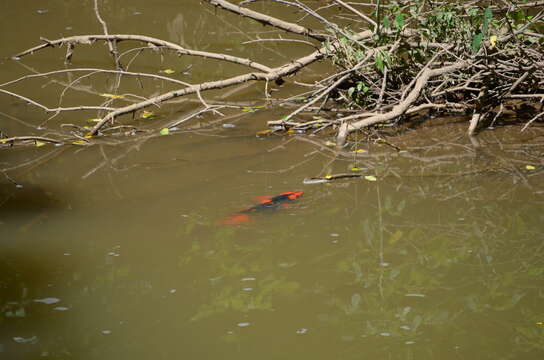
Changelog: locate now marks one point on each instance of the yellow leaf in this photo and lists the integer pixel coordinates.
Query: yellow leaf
(39, 143)
(3, 141)
(358, 151)
(355, 169)
(395, 237)
(165, 131)
(79, 142)
(248, 109)
(330, 143)
(328, 176)
(290, 131)
(540, 323)
(370, 178)
(493, 40)
(112, 96)
(264, 132)
(88, 136)
(530, 167)
(86, 127)
(94, 120)
(147, 114)
(168, 71)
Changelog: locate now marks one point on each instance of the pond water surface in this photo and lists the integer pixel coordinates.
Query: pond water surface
(119, 251)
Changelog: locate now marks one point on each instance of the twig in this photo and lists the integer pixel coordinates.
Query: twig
(89, 39)
(356, 12)
(111, 44)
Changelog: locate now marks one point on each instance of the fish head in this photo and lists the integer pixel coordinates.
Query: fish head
(293, 195)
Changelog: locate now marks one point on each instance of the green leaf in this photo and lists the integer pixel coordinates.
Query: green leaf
(488, 15)
(399, 21)
(165, 131)
(477, 42)
(351, 90)
(379, 61)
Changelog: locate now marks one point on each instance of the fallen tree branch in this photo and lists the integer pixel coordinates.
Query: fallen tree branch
(400, 108)
(89, 39)
(268, 20)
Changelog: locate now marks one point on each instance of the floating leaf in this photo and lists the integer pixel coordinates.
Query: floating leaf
(3, 141)
(356, 169)
(148, 114)
(328, 176)
(87, 127)
(291, 131)
(248, 109)
(530, 167)
(49, 300)
(112, 96)
(370, 178)
(330, 143)
(395, 237)
(40, 143)
(165, 131)
(79, 142)
(94, 120)
(359, 151)
(88, 136)
(264, 132)
(167, 71)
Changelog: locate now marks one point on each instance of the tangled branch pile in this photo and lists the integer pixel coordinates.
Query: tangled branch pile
(392, 59)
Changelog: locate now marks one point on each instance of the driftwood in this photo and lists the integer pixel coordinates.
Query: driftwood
(375, 76)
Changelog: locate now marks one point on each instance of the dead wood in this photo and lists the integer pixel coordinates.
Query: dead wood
(381, 71)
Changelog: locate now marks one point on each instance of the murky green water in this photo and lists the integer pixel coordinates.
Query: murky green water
(118, 251)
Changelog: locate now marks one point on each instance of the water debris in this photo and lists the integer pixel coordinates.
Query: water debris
(42, 11)
(112, 96)
(302, 331)
(106, 332)
(312, 181)
(370, 178)
(61, 308)
(172, 291)
(530, 167)
(48, 300)
(405, 327)
(385, 334)
(248, 279)
(148, 115)
(243, 324)
(334, 235)
(409, 342)
(22, 340)
(247, 289)
(415, 295)
(229, 126)
(328, 177)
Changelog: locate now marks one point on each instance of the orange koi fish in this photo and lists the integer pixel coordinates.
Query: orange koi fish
(267, 203)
